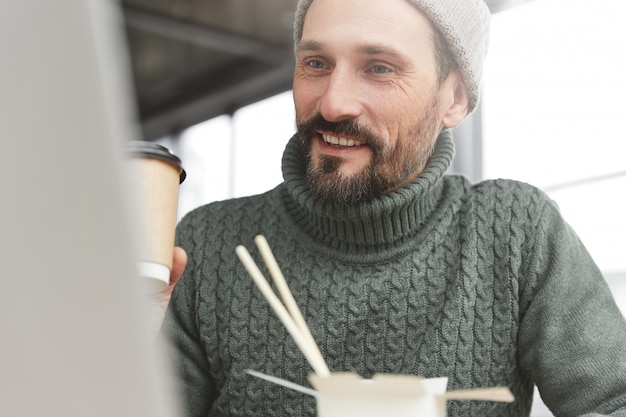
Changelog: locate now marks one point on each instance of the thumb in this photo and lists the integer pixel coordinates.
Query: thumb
(178, 265)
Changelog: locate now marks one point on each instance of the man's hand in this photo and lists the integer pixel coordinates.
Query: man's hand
(178, 266)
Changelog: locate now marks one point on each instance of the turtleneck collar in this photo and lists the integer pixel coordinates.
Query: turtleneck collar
(385, 220)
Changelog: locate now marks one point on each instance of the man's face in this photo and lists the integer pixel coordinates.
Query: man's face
(369, 105)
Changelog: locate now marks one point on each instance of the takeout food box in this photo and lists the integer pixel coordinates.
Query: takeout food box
(341, 394)
(347, 394)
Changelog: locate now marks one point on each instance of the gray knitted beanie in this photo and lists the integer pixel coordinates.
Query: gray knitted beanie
(463, 23)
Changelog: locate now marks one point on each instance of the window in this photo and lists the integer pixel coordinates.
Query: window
(553, 107)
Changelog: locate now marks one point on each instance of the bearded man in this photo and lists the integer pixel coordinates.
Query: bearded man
(397, 267)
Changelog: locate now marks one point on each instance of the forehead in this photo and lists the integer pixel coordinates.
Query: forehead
(391, 24)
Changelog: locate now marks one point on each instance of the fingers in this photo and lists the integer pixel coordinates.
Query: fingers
(178, 265)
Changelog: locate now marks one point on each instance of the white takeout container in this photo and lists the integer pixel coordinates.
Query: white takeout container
(347, 394)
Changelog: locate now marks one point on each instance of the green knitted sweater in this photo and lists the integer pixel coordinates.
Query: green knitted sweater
(485, 284)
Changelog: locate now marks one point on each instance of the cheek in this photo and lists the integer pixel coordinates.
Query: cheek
(392, 111)
(304, 98)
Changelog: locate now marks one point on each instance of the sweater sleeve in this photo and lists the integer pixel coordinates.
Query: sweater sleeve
(196, 388)
(572, 337)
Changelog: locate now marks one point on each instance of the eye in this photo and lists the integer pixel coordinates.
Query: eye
(380, 69)
(315, 64)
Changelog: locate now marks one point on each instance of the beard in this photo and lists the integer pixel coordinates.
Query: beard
(389, 168)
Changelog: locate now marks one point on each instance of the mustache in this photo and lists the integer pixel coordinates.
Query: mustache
(350, 128)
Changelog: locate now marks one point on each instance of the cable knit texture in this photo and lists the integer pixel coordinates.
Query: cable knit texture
(484, 284)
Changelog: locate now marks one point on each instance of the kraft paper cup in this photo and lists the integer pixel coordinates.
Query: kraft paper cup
(156, 174)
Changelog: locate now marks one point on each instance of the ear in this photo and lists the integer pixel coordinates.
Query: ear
(456, 100)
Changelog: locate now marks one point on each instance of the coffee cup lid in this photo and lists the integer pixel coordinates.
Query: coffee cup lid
(154, 150)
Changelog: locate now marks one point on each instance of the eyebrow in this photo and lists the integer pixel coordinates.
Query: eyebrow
(309, 46)
(380, 49)
(372, 49)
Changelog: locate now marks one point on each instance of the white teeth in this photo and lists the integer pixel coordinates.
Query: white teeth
(334, 140)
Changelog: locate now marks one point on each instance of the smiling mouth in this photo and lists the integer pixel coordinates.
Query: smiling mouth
(340, 141)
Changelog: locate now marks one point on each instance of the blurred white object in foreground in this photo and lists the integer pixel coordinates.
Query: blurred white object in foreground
(75, 334)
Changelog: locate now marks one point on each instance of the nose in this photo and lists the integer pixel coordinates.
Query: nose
(341, 100)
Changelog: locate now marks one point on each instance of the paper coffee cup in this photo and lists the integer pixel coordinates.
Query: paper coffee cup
(155, 174)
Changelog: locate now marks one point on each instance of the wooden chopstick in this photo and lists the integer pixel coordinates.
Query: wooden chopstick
(305, 342)
(501, 394)
(283, 288)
